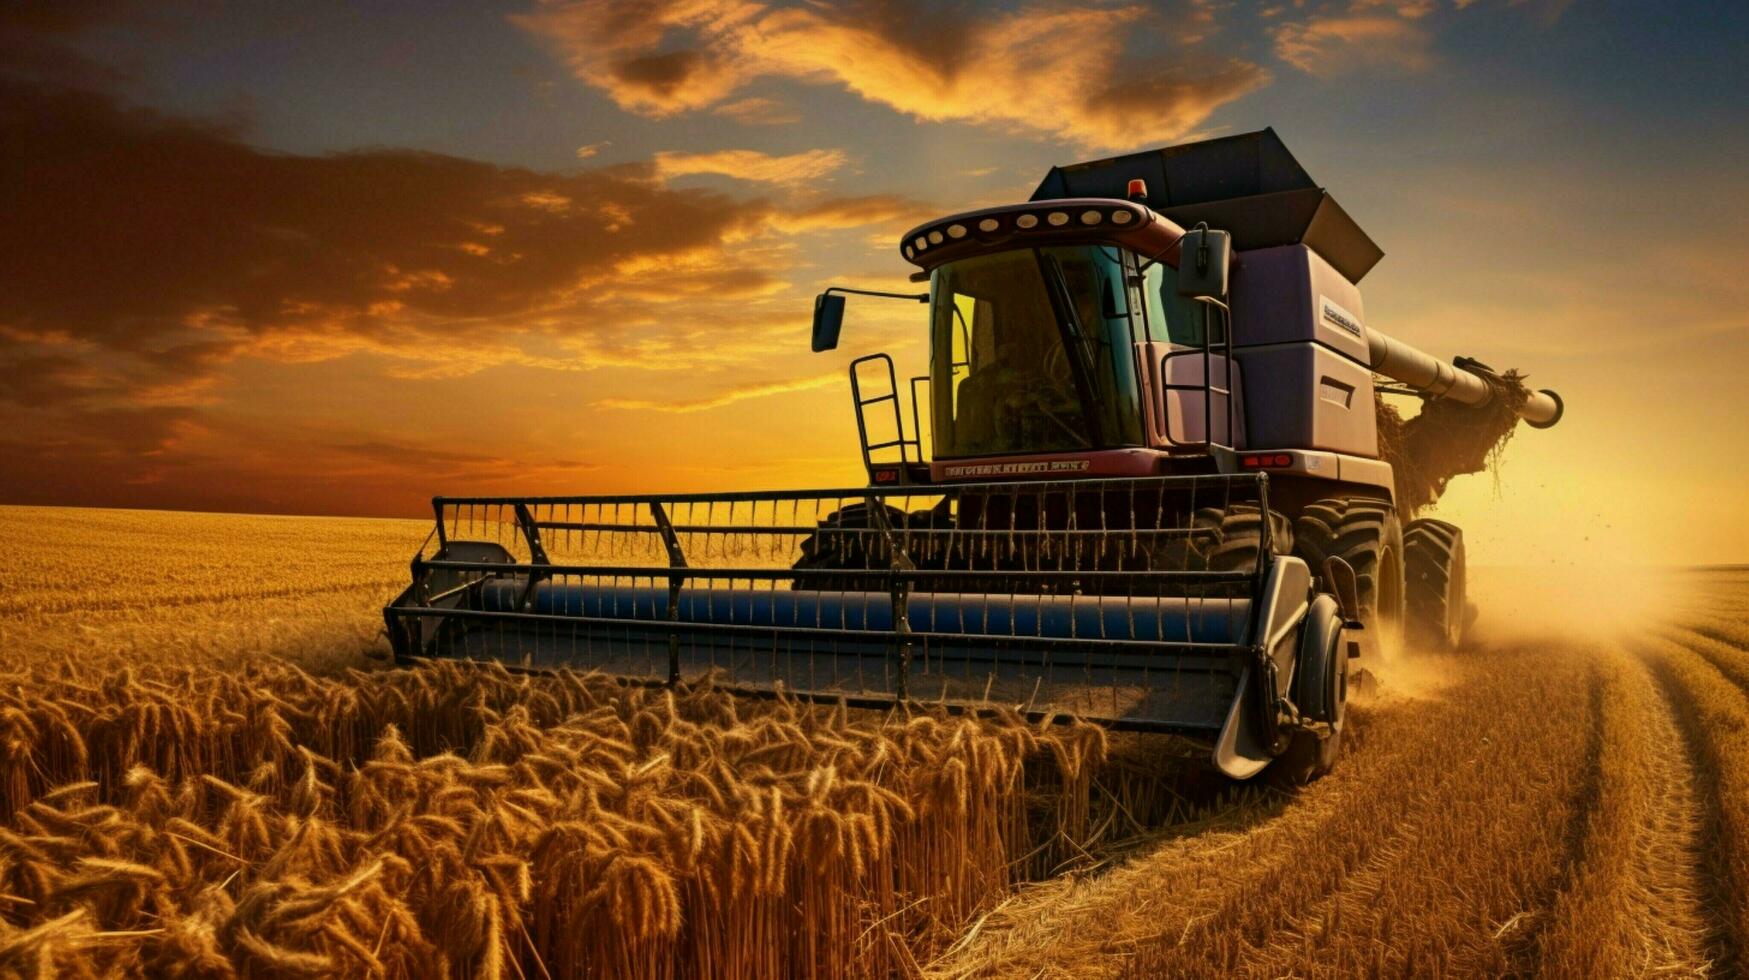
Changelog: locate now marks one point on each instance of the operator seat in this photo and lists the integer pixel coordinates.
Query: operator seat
(977, 402)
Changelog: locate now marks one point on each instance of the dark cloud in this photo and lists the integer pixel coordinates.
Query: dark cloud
(144, 458)
(662, 75)
(133, 229)
(147, 255)
(1093, 75)
(152, 261)
(52, 18)
(31, 378)
(36, 36)
(105, 456)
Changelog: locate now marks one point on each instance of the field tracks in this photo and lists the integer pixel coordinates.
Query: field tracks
(1087, 924)
(1708, 692)
(1437, 847)
(1523, 936)
(1382, 851)
(1724, 653)
(1634, 901)
(1556, 811)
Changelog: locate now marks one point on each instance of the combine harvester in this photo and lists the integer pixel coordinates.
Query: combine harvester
(1154, 495)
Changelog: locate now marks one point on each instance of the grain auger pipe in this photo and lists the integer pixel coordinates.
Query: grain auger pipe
(1431, 377)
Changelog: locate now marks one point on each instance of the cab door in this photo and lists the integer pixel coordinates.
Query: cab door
(1196, 388)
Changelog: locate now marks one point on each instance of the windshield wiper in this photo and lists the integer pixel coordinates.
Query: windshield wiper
(1074, 340)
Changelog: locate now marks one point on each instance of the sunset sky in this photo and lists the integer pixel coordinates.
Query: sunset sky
(333, 257)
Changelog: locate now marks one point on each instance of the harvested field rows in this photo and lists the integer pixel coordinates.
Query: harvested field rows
(1340, 875)
(167, 805)
(1634, 901)
(1712, 707)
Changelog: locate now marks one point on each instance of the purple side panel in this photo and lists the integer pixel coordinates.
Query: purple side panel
(1289, 294)
(1302, 396)
(1300, 339)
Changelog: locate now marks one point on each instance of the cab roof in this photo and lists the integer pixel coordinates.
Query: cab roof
(1068, 221)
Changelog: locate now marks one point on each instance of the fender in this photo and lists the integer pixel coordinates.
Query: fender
(1241, 751)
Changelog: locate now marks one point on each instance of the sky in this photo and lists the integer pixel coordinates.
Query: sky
(334, 258)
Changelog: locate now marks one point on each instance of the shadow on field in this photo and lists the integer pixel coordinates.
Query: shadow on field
(1149, 790)
(1155, 789)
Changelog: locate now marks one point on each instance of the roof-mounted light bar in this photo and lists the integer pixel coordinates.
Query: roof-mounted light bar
(991, 227)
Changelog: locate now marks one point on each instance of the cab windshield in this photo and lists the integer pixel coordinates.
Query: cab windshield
(1033, 351)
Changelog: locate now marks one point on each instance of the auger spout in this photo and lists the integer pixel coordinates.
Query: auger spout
(1443, 379)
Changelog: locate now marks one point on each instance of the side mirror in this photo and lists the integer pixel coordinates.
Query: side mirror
(829, 312)
(828, 321)
(1203, 257)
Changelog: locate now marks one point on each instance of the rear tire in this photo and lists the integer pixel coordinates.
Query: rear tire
(1366, 533)
(1434, 565)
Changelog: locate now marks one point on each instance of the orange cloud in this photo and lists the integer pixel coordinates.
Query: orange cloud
(888, 211)
(758, 112)
(1054, 70)
(751, 165)
(1341, 43)
(728, 396)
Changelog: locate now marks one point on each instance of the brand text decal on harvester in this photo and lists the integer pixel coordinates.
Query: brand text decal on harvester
(1013, 469)
(1341, 317)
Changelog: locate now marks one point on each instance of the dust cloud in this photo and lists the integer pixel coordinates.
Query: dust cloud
(1414, 674)
(1531, 606)
(1585, 603)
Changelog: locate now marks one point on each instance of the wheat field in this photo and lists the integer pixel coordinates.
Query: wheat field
(207, 768)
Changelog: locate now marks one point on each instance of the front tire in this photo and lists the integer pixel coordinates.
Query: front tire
(1320, 690)
(1306, 759)
(1366, 533)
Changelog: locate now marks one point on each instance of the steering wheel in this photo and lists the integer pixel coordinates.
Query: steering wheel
(1056, 366)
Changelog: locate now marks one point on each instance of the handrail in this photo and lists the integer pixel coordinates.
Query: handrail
(1207, 388)
(862, 404)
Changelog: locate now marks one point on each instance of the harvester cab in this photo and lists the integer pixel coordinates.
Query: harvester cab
(1151, 492)
(1193, 311)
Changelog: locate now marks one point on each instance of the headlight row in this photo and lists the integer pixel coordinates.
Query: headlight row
(1024, 221)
